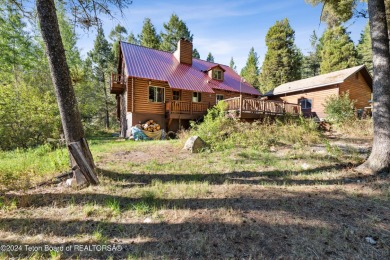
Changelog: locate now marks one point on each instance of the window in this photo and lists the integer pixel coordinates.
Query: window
(156, 94)
(305, 103)
(217, 74)
(176, 95)
(196, 97)
(219, 97)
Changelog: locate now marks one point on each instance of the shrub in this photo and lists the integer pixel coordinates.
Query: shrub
(220, 132)
(339, 109)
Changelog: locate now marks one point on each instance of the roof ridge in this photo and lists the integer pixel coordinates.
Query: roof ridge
(171, 53)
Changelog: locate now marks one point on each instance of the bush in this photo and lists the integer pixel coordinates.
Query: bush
(220, 132)
(339, 109)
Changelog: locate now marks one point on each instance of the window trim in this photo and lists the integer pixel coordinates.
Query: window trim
(306, 99)
(217, 72)
(198, 97)
(156, 87)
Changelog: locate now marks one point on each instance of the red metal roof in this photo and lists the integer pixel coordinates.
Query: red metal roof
(143, 62)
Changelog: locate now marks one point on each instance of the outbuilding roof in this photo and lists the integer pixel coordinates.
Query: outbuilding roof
(147, 63)
(333, 78)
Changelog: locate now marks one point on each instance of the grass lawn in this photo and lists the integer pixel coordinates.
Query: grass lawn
(159, 202)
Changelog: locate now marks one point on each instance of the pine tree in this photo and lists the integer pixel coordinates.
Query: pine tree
(210, 57)
(195, 54)
(311, 62)
(101, 57)
(251, 70)
(173, 31)
(364, 49)
(117, 34)
(337, 50)
(133, 39)
(282, 62)
(148, 36)
(232, 65)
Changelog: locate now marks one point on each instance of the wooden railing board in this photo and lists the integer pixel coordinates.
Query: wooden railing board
(255, 106)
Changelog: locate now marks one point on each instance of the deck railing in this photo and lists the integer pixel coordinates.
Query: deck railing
(253, 105)
(117, 85)
(185, 107)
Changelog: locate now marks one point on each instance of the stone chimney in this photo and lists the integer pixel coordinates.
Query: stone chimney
(184, 51)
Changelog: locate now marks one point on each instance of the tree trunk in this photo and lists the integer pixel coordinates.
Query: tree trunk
(106, 102)
(66, 99)
(379, 160)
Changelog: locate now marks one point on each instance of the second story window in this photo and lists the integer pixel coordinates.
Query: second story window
(217, 74)
(156, 94)
(196, 97)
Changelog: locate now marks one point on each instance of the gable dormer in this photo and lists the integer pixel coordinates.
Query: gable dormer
(183, 54)
(216, 72)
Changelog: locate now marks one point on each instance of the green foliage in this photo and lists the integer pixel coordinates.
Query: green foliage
(232, 64)
(364, 49)
(210, 57)
(173, 31)
(195, 54)
(311, 62)
(148, 36)
(336, 11)
(133, 39)
(116, 35)
(337, 50)
(251, 70)
(27, 117)
(221, 133)
(282, 62)
(339, 108)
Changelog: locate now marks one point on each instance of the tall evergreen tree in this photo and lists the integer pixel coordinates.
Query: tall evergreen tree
(251, 70)
(337, 50)
(364, 49)
(232, 64)
(311, 62)
(117, 34)
(101, 57)
(210, 57)
(282, 62)
(149, 37)
(195, 54)
(173, 31)
(133, 39)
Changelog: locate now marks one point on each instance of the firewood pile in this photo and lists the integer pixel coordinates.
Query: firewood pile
(151, 126)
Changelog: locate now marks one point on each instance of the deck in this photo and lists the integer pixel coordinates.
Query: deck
(253, 108)
(117, 83)
(185, 110)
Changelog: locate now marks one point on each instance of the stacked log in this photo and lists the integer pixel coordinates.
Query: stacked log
(151, 126)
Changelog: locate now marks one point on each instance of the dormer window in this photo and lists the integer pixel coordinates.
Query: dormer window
(217, 74)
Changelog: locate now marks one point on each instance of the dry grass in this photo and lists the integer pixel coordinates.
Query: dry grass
(158, 202)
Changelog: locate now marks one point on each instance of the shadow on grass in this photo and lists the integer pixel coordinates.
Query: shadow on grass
(274, 177)
(306, 225)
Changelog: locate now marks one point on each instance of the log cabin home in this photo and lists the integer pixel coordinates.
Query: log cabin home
(311, 93)
(170, 88)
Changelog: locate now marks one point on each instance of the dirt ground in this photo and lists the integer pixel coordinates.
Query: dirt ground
(321, 211)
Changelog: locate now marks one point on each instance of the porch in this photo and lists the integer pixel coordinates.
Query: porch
(253, 108)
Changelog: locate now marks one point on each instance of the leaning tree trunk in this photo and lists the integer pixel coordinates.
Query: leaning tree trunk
(71, 121)
(379, 159)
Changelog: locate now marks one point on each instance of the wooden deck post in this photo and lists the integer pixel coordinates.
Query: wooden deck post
(284, 107)
(240, 105)
(191, 107)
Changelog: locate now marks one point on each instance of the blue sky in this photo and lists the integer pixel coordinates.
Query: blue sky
(225, 28)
